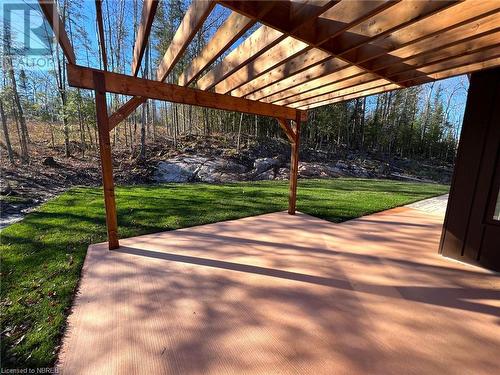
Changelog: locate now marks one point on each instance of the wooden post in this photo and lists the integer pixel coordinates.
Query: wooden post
(294, 168)
(106, 163)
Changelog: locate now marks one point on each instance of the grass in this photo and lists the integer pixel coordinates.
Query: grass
(41, 256)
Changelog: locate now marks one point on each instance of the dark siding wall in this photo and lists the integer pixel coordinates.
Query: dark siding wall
(469, 233)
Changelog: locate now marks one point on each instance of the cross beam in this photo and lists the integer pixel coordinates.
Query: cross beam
(82, 77)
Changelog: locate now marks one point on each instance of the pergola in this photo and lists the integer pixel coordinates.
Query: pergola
(307, 54)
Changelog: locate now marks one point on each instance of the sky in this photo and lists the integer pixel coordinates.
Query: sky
(86, 19)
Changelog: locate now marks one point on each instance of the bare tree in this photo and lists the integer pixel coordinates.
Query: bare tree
(6, 133)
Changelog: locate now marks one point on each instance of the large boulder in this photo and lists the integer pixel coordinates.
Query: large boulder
(264, 164)
(282, 174)
(195, 168)
(318, 170)
(266, 175)
(178, 169)
(220, 170)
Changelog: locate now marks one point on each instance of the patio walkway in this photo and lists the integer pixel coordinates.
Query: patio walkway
(280, 294)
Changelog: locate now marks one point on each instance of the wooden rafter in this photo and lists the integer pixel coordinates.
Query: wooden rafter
(100, 27)
(288, 48)
(299, 86)
(234, 26)
(364, 80)
(191, 23)
(389, 20)
(49, 9)
(261, 39)
(402, 47)
(342, 92)
(373, 91)
(455, 62)
(148, 13)
(287, 68)
(127, 85)
(446, 22)
(332, 22)
(415, 67)
(292, 16)
(444, 53)
(292, 79)
(437, 41)
(447, 73)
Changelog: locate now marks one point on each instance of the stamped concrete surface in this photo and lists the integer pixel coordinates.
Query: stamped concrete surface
(280, 294)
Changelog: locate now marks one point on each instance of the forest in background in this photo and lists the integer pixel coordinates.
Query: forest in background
(37, 105)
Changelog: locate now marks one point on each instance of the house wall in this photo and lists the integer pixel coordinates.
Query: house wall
(470, 231)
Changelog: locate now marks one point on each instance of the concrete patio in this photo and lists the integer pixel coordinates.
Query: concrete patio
(281, 294)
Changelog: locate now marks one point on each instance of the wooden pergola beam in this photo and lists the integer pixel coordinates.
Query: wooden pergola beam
(234, 27)
(100, 27)
(478, 20)
(373, 91)
(331, 23)
(300, 87)
(342, 92)
(125, 110)
(364, 82)
(49, 9)
(293, 15)
(190, 24)
(148, 13)
(298, 64)
(389, 20)
(261, 39)
(413, 67)
(287, 48)
(79, 76)
(467, 17)
(193, 20)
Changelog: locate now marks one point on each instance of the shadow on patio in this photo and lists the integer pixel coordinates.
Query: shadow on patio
(284, 294)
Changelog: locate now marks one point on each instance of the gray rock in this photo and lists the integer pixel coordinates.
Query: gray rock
(318, 170)
(341, 165)
(220, 170)
(179, 169)
(195, 168)
(264, 164)
(266, 175)
(283, 174)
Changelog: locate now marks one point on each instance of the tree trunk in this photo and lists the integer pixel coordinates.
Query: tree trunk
(6, 133)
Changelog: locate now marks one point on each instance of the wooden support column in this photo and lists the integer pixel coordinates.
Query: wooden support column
(293, 136)
(106, 162)
(294, 168)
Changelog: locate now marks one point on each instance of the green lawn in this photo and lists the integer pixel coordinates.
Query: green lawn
(42, 255)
